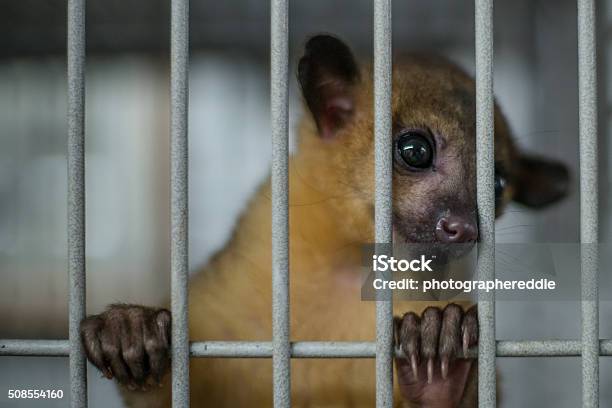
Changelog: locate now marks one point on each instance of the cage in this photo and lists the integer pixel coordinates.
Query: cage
(545, 90)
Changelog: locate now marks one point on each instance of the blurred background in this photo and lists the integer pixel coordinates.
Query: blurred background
(127, 165)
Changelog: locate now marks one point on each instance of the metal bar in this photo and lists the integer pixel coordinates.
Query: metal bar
(76, 198)
(322, 349)
(560, 348)
(312, 349)
(604, 107)
(232, 349)
(179, 199)
(279, 92)
(18, 347)
(384, 194)
(485, 157)
(587, 118)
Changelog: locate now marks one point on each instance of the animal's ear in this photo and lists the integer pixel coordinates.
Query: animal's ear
(540, 182)
(328, 74)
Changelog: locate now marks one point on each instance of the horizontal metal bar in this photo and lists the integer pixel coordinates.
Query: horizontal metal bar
(309, 349)
(241, 349)
(51, 348)
(538, 348)
(312, 349)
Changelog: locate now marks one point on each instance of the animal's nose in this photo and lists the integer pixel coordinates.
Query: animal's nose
(455, 229)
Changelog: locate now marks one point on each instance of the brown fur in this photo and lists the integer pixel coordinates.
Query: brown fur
(331, 196)
(331, 218)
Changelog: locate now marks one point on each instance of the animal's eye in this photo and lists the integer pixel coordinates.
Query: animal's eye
(415, 149)
(500, 185)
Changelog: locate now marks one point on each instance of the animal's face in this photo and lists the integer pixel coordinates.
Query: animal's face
(434, 143)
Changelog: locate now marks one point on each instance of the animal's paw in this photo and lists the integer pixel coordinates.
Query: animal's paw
(130, 343)
(431, 374)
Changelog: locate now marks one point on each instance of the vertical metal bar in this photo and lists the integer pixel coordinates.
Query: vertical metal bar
(279, 90)
(76, 198)
(179, 200)
(587, 117)
(383, 200)
(485, 173)
(603, 9)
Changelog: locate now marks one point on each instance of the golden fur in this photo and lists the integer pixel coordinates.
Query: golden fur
(331, 216)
